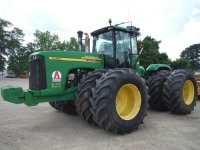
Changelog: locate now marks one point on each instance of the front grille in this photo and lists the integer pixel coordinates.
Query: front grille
(37, 72)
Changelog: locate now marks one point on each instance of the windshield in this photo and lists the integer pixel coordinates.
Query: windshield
(122, 41)
(103, 44)
(125, 41)
(134, 45)
(117, 47)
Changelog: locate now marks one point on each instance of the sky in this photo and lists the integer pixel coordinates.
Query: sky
(176, 23)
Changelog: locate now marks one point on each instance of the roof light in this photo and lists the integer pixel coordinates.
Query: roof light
(110, 21)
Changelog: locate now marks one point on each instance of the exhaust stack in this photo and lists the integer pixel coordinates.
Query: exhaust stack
(87, 43)
(80, 37)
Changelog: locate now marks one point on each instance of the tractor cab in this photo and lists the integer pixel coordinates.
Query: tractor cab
(117, 44)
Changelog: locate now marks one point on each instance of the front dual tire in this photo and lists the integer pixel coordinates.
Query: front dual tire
(119, 101)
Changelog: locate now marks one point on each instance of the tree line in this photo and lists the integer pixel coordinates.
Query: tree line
(14, 54)
(189, 57)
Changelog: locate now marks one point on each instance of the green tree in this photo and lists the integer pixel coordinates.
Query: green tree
(180, 64)
(192, 55)
(2, 63)
(72, 44)
(18, 63)
(31, 46)
(10, 41)
(163, 58)
(151, 52)
(46, 41)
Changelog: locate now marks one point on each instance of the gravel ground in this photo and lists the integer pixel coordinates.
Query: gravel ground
(42, 127)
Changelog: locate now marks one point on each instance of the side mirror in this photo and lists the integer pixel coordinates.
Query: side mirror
(134, 30)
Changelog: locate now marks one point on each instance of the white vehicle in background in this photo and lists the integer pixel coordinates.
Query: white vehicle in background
(10, 75)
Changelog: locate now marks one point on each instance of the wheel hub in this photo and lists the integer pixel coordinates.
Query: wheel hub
(188, 92)
(128, 101)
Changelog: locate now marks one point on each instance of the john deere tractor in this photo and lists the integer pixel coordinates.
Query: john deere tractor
(106, 87)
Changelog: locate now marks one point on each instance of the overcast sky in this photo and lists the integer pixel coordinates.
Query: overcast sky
(175, 22)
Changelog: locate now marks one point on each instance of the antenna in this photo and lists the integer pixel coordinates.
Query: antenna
(124, 23)
(128, 11)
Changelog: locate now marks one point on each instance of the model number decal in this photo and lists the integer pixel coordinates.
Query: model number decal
(82, 59)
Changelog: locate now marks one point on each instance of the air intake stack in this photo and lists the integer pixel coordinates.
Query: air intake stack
(80, 37)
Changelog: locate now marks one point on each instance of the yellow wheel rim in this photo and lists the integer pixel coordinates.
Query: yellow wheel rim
(188, 92)
(128, 101)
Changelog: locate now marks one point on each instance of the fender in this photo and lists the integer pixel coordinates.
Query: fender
(156, 67)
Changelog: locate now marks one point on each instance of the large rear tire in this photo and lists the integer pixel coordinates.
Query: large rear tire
(155, 83)
(119, 101)
(180, 92)
(84, 93)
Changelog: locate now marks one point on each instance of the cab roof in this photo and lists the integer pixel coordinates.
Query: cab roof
(129, 29)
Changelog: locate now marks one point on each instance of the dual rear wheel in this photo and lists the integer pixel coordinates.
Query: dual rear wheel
(117, 100)
(176, 91)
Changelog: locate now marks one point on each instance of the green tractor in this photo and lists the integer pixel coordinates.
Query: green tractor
(106, 87)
